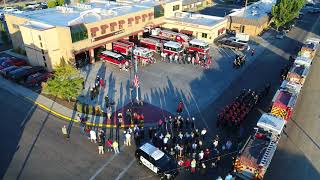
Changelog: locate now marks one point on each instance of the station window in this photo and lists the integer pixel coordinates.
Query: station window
(204, 35)
(78, 32)
(112, 28)
(176, 7)
(42, 51)
(158, 11)
(39, 38)
(41, 45)
(45, 64)
(44, 58)
(120, 26)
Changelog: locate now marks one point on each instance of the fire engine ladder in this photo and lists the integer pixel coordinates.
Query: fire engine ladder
(279, 112)
(266, 159)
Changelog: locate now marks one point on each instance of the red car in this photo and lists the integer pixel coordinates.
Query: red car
(16, 62)
(37, 78)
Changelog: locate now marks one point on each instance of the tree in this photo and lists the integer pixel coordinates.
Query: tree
(4, 34)
(65, 83)
(60, 2)
(52, 3)
(285, 11)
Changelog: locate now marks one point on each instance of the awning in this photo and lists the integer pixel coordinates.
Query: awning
(113, 24)
(130, 19)
(144, 15)
(186, 32)
(137, 17)
(105, 26)
(94, 29)
(150, 14)
(122, 22)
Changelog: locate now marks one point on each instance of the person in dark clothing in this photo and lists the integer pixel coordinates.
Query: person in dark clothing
(142, 133)
(253, 51)
(150, 132)
(180, 107)
(106, 100)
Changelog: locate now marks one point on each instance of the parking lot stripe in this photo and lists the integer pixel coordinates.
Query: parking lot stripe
(28, 115)
(125, 170)
(102, 167)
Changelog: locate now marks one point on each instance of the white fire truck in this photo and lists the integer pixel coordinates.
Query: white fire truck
(255, 156)
(143, 55)
(152, 44)
(169, 35)
(199, 46)
(172, 47)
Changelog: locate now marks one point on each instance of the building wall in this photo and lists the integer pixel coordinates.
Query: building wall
(13, 23)
(168, 8)
(198, 30)
(252, 30)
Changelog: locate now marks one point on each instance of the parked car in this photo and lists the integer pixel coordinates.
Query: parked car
(19, 75)
(157, 161)
(37, 78)
(14, 62)
(4, 71)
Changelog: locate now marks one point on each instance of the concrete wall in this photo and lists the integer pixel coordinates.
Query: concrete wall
(13, 23)
(252, 30)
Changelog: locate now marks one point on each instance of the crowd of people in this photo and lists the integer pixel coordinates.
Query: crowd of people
(203, 60)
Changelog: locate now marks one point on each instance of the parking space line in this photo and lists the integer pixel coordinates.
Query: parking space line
(125, 170)
(102, 167)
(28, 115)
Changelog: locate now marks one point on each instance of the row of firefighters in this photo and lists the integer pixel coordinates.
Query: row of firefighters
(159, 41)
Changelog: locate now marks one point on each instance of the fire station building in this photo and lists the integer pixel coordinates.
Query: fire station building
(81, 31)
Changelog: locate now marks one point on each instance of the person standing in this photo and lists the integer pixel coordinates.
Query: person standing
(93, 136)
(100, 147)
(106, 100)
(128, 139)
(203, 133)
(193, 166)
(253, 51)
(109, 145)
(115, 146)
(65, 132)
(180, 107)
(109, 112)
(203, 169)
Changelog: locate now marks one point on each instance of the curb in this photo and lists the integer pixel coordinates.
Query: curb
(74, 120)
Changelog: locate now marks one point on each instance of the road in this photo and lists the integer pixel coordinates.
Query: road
(33, 148)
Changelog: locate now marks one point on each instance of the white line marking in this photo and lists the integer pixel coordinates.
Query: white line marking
(102, 167)
(125, 170)
(28, 115)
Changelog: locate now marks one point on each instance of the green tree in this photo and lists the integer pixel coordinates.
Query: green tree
(60, 2)
(65, 83)
(52, 3)
(4, 34)
(285, 11)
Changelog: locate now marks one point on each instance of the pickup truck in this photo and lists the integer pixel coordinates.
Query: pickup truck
(229, 43)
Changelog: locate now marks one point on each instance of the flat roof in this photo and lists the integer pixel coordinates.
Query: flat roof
(268, 121)
(198, 19)
(255, 10)
(82, 13)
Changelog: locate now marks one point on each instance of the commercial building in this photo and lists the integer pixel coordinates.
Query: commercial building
(82, 31)
(251, 20)
(193, 5)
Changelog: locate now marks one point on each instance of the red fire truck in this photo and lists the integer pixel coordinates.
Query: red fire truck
(199, 46)
(172, 47)
(143, 54)
(169, 35)
(152, 44)
(126, 41)
(112, 57)
(283, 104)
(122, 48)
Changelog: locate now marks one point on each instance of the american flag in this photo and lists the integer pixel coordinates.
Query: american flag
(136, 81)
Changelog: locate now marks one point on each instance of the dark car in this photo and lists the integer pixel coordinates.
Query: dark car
(37, 78)
(16, 62)
(25, 72)
(157, 161)
(6, 70)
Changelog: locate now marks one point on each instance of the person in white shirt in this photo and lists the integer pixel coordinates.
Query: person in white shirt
(203, 133)
(93, 136)
(128, 139)
(201, 154)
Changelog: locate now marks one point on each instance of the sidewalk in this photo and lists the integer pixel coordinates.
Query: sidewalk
(151, 113)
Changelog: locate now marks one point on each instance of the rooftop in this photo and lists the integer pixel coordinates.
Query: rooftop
(254, 11)
(199, 19)
(94, 11)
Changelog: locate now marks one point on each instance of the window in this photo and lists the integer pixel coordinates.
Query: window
(78, 33)
(242, 28)
(45, 64)
(176, 7)
(204, 35)
(120, 26)
(42, 51)
(15, 26)
(39, 37)
(158, 11)
(44, 58)
(40, 44)
(112, 28)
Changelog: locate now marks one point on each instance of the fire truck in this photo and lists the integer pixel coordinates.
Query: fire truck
(255, 156)
(169, 35)
(122, 48)
(283, 104)
(143, 54)
(152, 44)
(298, 74)
(172, 47)
(199, 46)
(112, 57)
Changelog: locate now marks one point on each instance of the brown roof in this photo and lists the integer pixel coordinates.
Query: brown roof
(249, 21)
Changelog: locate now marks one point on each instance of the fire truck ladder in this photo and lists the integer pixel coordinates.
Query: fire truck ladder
(266, 159)
(279, 112)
